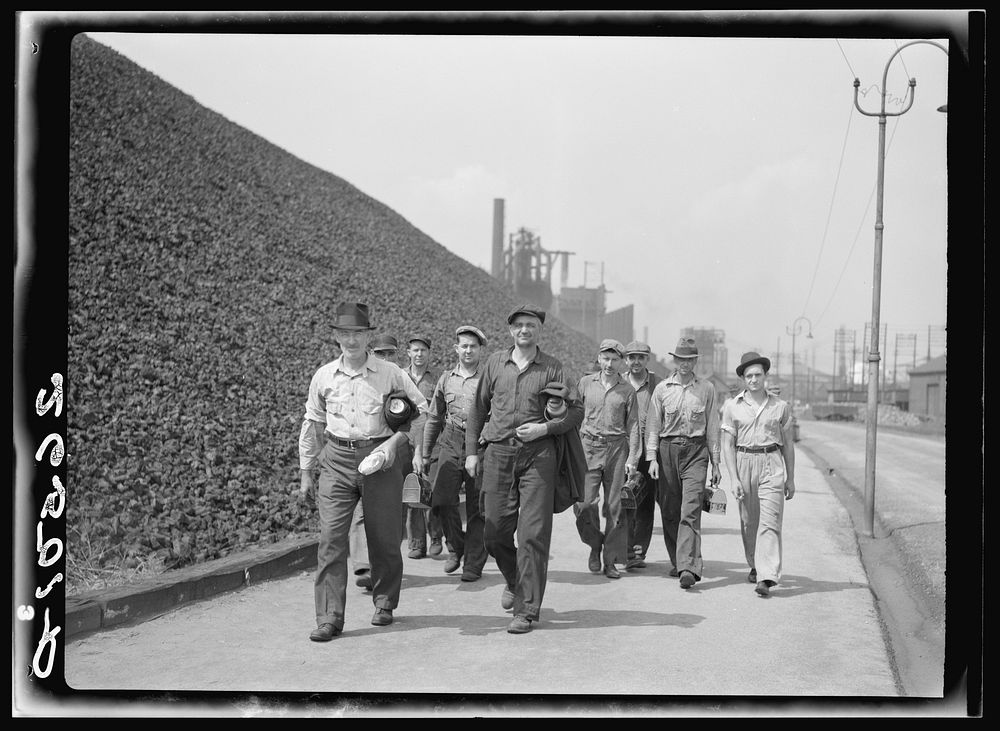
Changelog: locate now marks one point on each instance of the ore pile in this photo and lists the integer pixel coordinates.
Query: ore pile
(204, 266)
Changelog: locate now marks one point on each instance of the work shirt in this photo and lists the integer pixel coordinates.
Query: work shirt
(425, 384)
(753, 425)
(610, 412)
(642, 396)
(679, 410)
(509, 397)
(349, 404)
(453, 394)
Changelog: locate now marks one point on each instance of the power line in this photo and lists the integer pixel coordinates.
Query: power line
(829, 214)
(860, 225)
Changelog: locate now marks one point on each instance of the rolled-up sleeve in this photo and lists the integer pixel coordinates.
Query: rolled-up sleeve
(653, 423)
(313, 426)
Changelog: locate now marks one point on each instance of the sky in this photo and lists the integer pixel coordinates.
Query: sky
(718, 182)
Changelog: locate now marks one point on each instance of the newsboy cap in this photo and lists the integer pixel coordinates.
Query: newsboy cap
(686, 348)
(526, 309)
(612, 344)
(384, 342)
(637, 346)
(752, 358)
(471, 330)
(352, 316)
(420, 338)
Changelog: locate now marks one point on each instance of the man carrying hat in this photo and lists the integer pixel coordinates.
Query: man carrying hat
(682, 426)
(519, 464)
(610, 435)
(344, 423)
(643, 381)
(448, 412)
(759, 454)
(418, 524)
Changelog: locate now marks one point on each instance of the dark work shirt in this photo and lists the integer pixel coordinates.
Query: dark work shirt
(508, 397)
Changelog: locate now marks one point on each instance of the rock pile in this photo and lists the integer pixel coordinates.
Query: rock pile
(204, 263)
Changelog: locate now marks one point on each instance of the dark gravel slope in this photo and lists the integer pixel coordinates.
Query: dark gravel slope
(204, 264)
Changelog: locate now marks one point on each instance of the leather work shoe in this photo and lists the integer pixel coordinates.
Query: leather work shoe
(519, 625)
(635, 563)
(382, 617)
(687, 579)
(611, 571)
(763, 589)
(416, 553)
(452, 564)
(673, 571)
(594, 562)
(324, 633)
(364, 580)
(752, 576)
(436, 548)
(507, 599)
(469, 575)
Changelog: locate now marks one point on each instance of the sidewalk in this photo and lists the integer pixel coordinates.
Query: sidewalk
(640, 637)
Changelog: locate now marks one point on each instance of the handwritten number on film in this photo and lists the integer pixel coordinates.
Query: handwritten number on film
(51, 550)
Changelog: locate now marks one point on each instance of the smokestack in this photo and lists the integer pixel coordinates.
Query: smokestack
(497, 238)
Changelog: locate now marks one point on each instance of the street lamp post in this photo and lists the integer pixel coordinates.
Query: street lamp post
(871, 418)
(795, 330)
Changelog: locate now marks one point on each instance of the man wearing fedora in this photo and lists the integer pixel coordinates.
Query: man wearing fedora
(759, 454)
(682, 426)
(520, 463)
(418, 523)
(643, 381)
(345, 422)
(386, 347)
(610, 435)
(447, 414)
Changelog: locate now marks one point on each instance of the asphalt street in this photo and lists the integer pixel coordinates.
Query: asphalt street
(639, 644)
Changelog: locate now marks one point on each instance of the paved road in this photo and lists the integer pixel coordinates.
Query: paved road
(638, 639)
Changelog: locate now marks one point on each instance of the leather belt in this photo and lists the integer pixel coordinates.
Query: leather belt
(682, 438)
(601, 440)
(511, 442)
(354, 443)
(759, 450)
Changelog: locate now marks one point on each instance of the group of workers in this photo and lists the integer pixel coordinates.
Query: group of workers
(510, 431)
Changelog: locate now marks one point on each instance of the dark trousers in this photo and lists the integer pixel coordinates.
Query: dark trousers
(684, 469)
(641, 519)
(417, 524)
(518, 489)
(341, 486)
(446, 477)
(605, 467)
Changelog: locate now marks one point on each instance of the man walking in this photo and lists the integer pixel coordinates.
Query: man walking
(418, 524)
(683, 427)
(759, 454)
(637, 355)
(344, 424)
(519, 464)
(610, 435)
(447, 414)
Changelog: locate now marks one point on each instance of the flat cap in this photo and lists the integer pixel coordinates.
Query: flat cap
(420, 338)
(612, 344)
(526, 309)
(637, 346)
(384, 342)
(471, 330)
(556, 389)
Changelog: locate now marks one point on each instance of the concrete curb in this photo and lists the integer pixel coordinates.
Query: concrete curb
(104, 608)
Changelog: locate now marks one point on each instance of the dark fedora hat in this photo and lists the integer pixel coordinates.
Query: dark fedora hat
(686, 348)
(352, 316)
(752, 358)
(526, 309)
